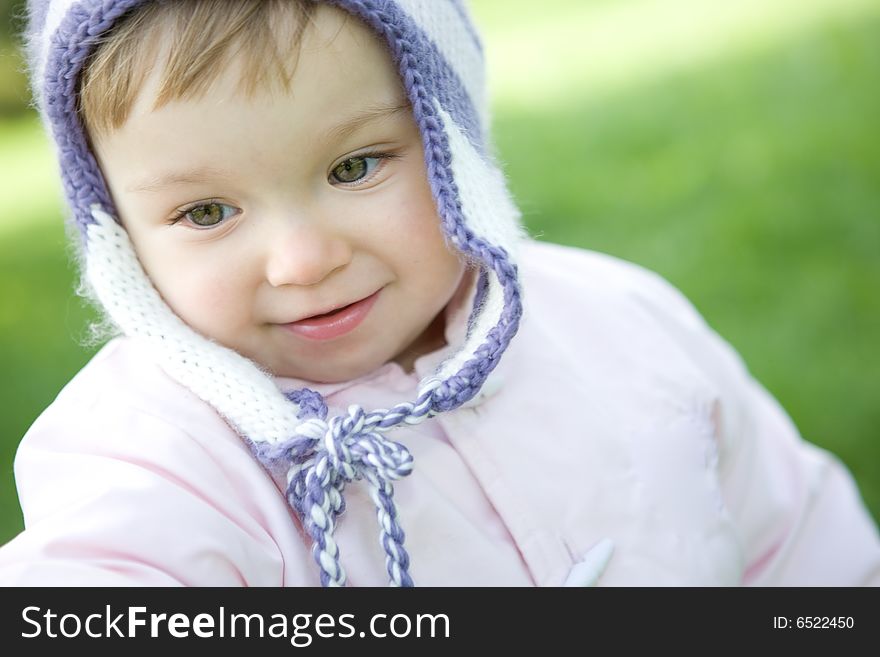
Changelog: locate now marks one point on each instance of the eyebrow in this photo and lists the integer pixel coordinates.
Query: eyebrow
(368, 115)
(192, 177)
(205, 174)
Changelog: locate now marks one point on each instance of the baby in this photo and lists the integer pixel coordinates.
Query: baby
(290, 213)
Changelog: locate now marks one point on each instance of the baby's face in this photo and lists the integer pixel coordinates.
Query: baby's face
(251, 214)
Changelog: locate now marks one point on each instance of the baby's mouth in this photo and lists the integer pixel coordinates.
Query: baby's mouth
(335, 323)
(331, 313)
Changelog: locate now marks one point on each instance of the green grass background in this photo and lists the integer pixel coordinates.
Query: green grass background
(735, 150)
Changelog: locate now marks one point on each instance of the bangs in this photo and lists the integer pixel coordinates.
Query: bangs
(206, 34)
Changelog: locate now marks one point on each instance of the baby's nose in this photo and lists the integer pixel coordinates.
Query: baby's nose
(305, 255)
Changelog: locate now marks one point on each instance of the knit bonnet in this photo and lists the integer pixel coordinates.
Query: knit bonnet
(439, 57)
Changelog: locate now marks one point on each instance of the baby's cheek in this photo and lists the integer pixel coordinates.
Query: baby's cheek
(429, 247)
(209, 303)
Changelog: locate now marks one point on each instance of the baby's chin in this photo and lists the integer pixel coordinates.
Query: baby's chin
(331, 370)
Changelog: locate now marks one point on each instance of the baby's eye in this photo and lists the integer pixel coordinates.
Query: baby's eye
(206, 215)
(355, 169)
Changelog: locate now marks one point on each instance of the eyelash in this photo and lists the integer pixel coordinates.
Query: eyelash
(181, 214)
(378, 155)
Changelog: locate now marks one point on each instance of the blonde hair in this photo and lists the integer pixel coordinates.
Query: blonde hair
(205, 34)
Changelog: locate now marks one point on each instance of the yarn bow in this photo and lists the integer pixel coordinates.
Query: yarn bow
(321, 466)
(322, 457)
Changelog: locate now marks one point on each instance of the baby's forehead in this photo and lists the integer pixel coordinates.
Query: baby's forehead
(170, 56)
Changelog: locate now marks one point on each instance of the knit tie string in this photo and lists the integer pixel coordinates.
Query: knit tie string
(348, 451)
(322, 456)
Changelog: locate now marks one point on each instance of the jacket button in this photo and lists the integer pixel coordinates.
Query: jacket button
(588, 570)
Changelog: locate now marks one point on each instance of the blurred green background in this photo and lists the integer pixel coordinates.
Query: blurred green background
(732, 147)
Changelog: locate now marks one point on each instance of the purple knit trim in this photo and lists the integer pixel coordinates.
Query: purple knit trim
(70, 46)
(311, 403)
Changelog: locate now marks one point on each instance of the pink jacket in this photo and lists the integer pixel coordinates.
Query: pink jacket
(619, 442)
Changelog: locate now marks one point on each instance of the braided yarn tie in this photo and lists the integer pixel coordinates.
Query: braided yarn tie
(324, 456)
